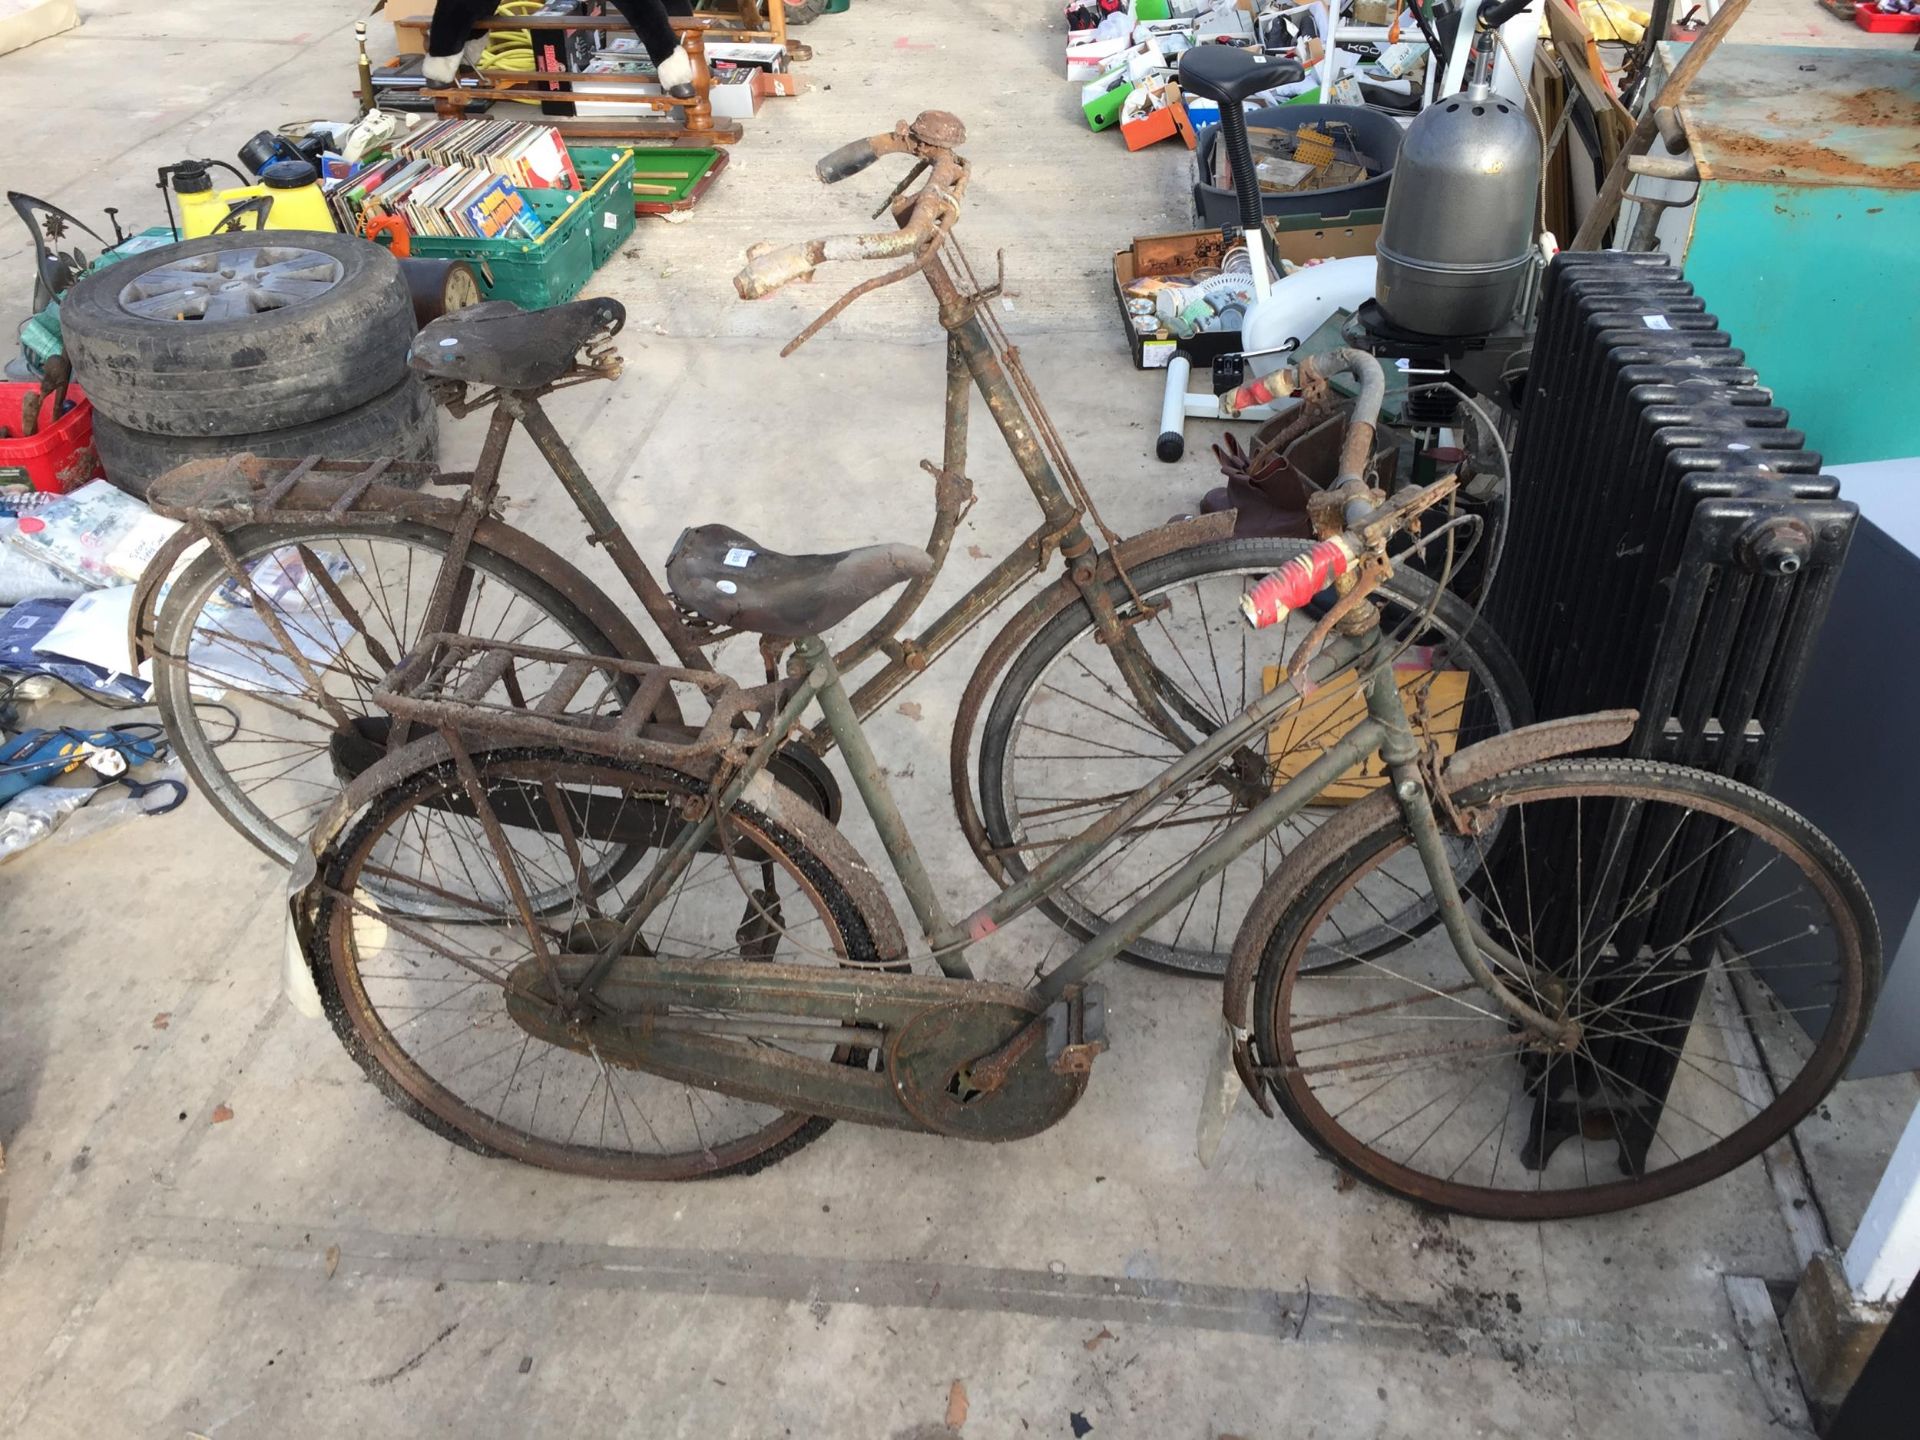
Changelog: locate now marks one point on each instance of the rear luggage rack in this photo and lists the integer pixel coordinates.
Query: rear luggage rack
(250, 489)
(472, 685)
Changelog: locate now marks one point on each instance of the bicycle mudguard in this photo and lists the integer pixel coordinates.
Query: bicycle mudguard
(309, 500)
(1528, 745)
(791, 811)
(1023, 626)
(144, 610)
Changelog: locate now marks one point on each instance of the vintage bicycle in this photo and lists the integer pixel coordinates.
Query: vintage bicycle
(318, 576)
(1503, 978)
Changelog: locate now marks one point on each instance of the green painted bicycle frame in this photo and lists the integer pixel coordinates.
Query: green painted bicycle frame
(1386, 729)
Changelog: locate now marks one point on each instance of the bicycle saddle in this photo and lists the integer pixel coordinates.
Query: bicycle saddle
(728, 579)
(498, 343)
(1229, 74)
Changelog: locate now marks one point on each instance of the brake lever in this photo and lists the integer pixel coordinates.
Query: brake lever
(920, 167)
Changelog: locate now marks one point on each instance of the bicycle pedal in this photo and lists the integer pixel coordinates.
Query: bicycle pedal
(1077, 1030)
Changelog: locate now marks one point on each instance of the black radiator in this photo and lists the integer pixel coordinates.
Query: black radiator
(1673, 546)
(1672, 549)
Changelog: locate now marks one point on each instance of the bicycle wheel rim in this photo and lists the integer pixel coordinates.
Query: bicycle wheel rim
(361, 1018)
(278, 820)
(1494, 703)
(1296, 1036)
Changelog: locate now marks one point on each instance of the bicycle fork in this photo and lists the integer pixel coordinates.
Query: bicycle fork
(1400, 750)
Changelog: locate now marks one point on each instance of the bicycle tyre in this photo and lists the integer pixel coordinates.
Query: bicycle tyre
(563, 596)
(1640, 785)
(1484, 656)
(416, 1088)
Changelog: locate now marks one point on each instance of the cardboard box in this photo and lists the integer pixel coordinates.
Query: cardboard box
(1161, 123)
(1303, 732)
(1232, 20)
(775, 82)
(1101, 100)
(410, 23)
(757, 54)
(1298, 238)
(1142, 59)
(1172, 36)
(1090, 59)
(736, 99)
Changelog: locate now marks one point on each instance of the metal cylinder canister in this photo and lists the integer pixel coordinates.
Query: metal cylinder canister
(1458, 234)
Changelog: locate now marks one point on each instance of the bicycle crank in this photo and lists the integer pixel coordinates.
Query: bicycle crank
(956, 1057)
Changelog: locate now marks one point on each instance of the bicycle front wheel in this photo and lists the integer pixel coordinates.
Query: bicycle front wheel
(269, 736)
(1716, 952)
(1065, 741)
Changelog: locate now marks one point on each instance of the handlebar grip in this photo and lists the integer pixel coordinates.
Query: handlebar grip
(849, 159)
(1297, 582)
(779, 265)
(1494, 16)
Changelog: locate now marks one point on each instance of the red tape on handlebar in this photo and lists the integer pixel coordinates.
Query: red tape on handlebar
(1296, 582)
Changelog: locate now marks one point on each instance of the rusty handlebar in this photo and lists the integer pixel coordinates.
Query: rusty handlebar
(1354, 519)
(921, 216)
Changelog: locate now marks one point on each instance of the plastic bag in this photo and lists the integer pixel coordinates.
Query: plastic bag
(33, 815)
(99, 535)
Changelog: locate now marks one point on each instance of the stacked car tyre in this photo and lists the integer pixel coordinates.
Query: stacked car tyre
(282, 343)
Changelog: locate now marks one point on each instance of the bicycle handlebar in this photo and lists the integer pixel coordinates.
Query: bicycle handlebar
(849, 159)
(920, 216)
(1298, 581)
(1368, 519)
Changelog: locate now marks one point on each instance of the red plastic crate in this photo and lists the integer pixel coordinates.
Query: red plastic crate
(1881, 23)
(59, 457)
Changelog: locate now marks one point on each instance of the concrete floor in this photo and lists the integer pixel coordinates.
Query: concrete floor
(209, 1225)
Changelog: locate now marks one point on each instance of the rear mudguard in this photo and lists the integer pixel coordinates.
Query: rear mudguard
(1525, 746)
(765, 794)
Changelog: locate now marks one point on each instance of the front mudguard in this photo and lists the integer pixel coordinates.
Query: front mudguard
(1022, 627)
(303, 880)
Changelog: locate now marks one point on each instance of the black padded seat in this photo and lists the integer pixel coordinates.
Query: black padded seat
(498, 343)
(727, 578)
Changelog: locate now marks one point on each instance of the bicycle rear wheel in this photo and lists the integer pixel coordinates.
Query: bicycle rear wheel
(426, 1004)
(1717, 952)
(302, 726)
(1065, 741)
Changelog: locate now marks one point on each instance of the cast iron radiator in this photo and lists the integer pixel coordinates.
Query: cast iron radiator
(1673, 549)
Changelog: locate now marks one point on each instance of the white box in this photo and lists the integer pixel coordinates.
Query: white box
(736, 100)
(1088, 60)
(1225, 19)
(758, 54)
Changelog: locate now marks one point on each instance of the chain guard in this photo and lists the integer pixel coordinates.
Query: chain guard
(927, 1059)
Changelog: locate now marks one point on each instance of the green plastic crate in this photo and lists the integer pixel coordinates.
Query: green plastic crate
(609, 219)
(556, 267)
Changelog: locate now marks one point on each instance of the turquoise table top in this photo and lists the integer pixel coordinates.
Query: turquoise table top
(1778, 114)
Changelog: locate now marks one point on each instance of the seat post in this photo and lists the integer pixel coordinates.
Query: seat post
(871, 781)
(1246, 185)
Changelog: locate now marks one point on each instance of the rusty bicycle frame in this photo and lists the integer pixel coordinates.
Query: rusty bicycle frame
(962, 1057)
(977, 356)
